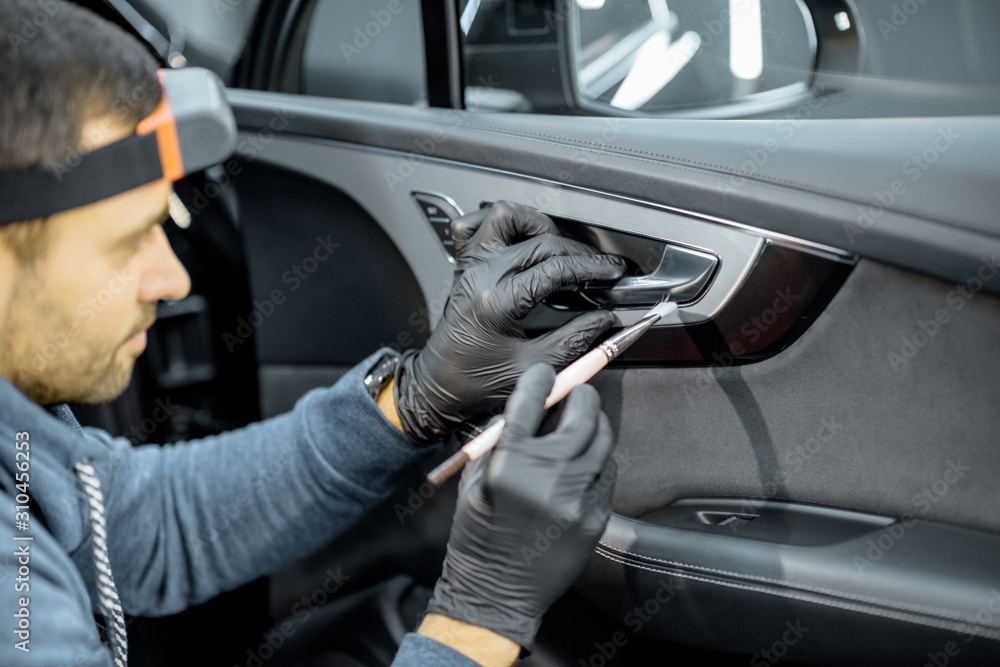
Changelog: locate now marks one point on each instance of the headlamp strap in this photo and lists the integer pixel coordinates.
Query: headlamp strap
(128, 163)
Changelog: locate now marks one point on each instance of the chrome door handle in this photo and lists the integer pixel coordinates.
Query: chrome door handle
(682, 274)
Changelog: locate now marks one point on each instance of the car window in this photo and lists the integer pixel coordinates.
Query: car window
(202, 34)
(655, 56)
(732, 58)
(356, 49)
(365, 50)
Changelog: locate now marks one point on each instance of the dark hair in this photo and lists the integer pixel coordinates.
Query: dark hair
(60, 67)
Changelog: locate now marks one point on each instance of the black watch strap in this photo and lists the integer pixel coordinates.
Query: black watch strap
(380, 374)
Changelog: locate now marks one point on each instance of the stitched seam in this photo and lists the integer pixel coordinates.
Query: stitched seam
(951, 613)
(624, 152)
(632, 154)
(760, 180)
(678, 161)
(943, 624)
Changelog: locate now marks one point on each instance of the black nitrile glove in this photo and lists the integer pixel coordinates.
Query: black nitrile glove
(529, 513)
(509, 257)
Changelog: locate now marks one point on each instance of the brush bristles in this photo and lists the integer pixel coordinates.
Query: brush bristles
(662, 309)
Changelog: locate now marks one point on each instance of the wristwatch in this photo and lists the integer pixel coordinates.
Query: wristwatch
(380, 374)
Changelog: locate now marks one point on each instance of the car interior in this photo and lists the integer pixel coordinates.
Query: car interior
(809, 448)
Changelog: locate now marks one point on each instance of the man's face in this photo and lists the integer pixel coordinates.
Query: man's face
(73, 323)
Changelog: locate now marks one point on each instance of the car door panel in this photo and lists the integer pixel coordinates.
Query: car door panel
(755, 268)
(320, 270)
(748, 430)
(810, 187)
(823, 439)
(806, 566)
(807, 425)
(806, 452)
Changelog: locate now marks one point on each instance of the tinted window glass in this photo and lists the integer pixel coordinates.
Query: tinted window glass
(365, 50)
(733, 58)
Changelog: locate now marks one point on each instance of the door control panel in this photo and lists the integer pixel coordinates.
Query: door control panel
(439, 211)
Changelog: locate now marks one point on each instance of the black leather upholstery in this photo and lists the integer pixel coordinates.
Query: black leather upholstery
(810, 179)
(882, 591)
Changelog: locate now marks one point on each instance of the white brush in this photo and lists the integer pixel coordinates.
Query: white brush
(577, 373)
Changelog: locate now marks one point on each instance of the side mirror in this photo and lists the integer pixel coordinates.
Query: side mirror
(655, 58)
(723, 57)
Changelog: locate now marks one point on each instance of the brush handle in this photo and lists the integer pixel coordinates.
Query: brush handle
(449, 467)
(575, 374)
(485, 441)
(472, 450)
(571, 377)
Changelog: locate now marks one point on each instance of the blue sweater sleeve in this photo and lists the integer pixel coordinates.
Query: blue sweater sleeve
(190, 520)
(420, 651)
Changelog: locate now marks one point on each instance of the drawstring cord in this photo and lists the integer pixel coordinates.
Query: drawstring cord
(107, 593)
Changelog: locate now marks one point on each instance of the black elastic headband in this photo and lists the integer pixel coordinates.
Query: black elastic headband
(191, 128)
(37, 193)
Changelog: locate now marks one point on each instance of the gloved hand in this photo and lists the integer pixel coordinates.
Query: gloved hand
(529, 513)
(509, 257)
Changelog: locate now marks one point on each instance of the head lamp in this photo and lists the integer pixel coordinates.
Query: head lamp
(192, 128)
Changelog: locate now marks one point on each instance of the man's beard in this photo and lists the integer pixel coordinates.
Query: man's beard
(48, 363)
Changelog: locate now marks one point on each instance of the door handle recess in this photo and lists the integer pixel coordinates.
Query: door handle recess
(682, 274)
